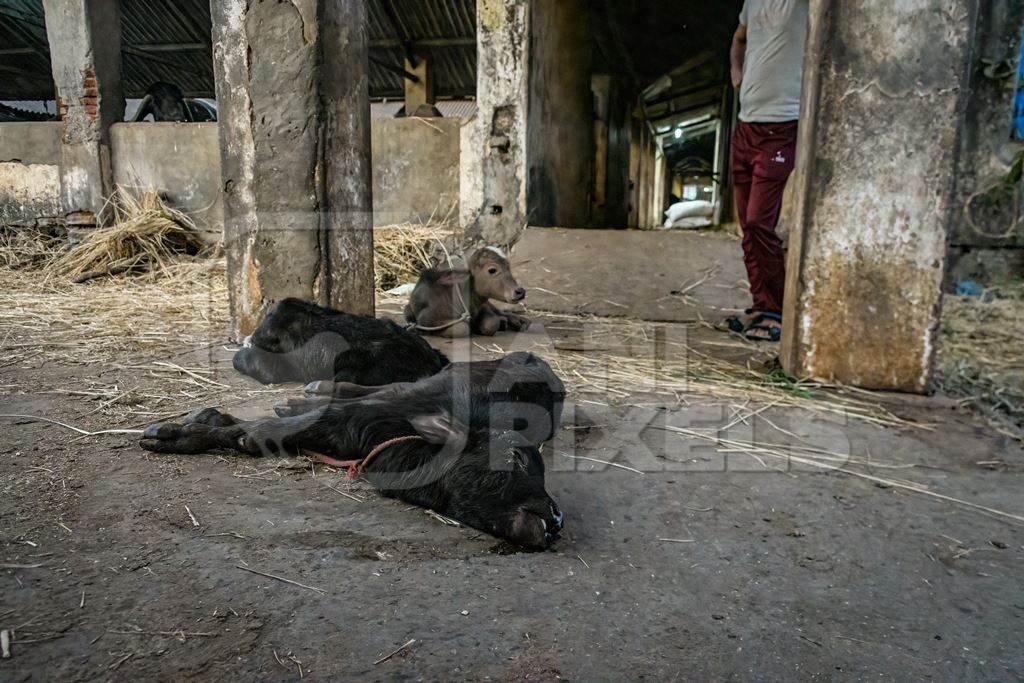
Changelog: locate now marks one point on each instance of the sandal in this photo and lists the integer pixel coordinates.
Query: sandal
(773, 333)
(736, 324)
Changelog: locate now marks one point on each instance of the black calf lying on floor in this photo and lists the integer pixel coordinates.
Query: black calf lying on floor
(463, 442)
(299, 341)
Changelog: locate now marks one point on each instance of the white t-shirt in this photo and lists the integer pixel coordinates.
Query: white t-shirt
(773, 66)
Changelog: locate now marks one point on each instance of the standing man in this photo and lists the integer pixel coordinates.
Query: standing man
(767, 67)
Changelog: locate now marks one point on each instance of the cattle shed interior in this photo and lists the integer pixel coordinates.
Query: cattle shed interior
(635, 73)
(844, 503)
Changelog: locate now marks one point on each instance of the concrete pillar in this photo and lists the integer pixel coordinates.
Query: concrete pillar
(883, 106)
(295, 154)
(493, 179)
(85, 54)
(419, 95)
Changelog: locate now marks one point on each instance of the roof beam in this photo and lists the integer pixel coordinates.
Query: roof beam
(682, 103)
(395, 69)
(391, 43)
(666, 99)
(403, 38)
(169, 47)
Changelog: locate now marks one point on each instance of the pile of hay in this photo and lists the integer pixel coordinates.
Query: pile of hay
(980, 356)
(401, 251)
(143, 234)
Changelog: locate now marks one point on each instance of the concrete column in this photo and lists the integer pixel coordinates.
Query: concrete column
(85, 53)
(419, 95)
(883, 107)
(295, 154)
(493, 181)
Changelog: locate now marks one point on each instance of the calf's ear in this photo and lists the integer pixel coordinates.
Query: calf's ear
(455, 277)
(438, 428)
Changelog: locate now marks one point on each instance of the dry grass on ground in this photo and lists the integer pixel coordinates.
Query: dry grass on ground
(981, 355)
(144, 320)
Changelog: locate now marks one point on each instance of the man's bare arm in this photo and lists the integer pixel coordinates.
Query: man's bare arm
(738, 54)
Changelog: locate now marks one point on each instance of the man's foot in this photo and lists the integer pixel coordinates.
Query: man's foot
(765, 327)
(750, 317)
(740, 323)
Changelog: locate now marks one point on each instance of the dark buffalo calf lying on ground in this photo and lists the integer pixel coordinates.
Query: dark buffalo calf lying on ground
(299, 341)
(463, 442)
(456, 302)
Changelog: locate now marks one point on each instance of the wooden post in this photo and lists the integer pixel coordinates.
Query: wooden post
(419, 94)
(601, 84)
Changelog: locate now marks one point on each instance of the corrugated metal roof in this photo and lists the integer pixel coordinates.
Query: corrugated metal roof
(450, 109)
(25, 62)
(169, 40)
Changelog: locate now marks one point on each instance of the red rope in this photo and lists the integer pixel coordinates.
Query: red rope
(357, 467)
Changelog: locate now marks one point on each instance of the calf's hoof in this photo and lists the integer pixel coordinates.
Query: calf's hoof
(210, 417)
(168, 437)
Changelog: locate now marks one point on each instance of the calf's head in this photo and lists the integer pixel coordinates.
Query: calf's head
(288, 326)
(492, 276)
(165, 101)
(495, 483)
(291, 344)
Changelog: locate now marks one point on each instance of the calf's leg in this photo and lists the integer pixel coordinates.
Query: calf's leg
(254, 438)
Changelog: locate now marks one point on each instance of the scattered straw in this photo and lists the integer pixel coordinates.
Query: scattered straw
(613, 358)
(281, 578)
(112, 319)
(823, 460)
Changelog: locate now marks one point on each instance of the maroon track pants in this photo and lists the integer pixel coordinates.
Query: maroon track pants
(762, 160)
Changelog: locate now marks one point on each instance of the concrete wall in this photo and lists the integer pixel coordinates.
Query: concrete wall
(992, 249)
(986, 148)
(29, 172)
(560, 122)
(180, 160)
(415, 169)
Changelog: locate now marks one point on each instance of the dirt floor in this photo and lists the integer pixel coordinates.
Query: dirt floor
(721, 542)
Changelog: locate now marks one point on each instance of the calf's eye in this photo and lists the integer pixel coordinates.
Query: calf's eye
(492, 271)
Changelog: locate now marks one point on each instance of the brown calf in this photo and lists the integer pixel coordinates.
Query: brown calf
(456, 302)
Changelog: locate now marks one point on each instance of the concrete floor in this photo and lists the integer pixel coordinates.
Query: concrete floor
(701, 565)
(674, 276)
